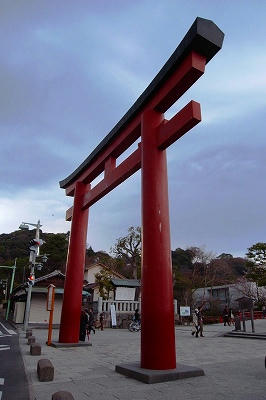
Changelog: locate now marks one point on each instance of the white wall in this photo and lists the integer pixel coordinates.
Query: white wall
(89, 275)
(19, 310)
(38, 313)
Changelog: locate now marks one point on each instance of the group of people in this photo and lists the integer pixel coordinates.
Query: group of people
(87, 324)
(197, 321)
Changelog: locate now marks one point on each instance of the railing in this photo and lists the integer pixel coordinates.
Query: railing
(120, 306)
(256, 315)
(123, 306)
(247, 314)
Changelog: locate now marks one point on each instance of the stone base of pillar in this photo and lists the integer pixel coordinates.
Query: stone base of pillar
(155, 376)
(79, 344)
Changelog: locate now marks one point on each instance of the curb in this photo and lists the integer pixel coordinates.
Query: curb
(30, 385)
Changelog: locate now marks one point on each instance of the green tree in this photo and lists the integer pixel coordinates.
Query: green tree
(182, 267)
(225, 256)
(257, 253)
(195, 268)
(256, 265)
(256, 273)
(182, 259)
(128, 249)
(190, 272)
(256, 270)
(90, 252)
(56, 245)
(103, 278)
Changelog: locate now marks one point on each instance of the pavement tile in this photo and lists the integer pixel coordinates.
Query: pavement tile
(234, 368)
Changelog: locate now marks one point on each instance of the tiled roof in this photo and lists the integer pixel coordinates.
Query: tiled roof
(126, 282)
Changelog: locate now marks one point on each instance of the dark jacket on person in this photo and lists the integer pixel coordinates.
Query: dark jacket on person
(90, 318)
(83, 325)
(136, 316)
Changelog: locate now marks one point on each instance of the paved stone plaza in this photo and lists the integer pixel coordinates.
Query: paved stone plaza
(234, 368)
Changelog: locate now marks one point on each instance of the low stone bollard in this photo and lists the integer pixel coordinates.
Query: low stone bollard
(45, 370)
(35, 349)
(31, 339)
(28, 333)
(62, 395)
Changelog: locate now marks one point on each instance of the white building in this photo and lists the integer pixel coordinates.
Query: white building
(228, 294)
(90, 283)
(223, 295)
(124, 290)
(38, 312)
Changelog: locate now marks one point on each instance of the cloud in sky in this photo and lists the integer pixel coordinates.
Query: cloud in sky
(217, 193)
(68, 73)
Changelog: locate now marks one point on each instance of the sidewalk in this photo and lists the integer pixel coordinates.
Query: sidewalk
(234, 368)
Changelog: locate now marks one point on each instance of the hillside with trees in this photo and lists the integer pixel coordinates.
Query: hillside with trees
(15, 245)
(192, 267)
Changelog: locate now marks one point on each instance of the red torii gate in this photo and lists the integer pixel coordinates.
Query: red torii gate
(145, 120)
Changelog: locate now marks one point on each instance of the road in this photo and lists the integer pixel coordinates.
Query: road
(13, 380)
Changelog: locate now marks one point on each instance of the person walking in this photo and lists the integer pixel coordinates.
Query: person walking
(90, 326)
(101, 321)
(226, 316)
(230, 317)
(200, 322)
(83, 325)
(195, 326)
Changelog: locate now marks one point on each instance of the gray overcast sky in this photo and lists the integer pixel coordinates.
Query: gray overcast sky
(69, 70)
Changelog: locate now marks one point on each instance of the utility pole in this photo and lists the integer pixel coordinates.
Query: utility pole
(11, 285)
(34, 252)
(11, 288)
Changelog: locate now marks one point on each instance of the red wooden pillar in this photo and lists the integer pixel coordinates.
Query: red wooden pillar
(70, 316)
(157, 324)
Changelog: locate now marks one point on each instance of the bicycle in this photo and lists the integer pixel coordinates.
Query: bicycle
(134, 326)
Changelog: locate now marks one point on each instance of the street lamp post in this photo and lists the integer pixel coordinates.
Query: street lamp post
(11, 288)
(25, 225)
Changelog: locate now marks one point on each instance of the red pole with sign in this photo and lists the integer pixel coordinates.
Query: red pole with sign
(50, 307)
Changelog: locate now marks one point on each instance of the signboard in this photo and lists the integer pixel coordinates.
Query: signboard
(184, 311)
(50, 298)
(125, 293)
(113, 314)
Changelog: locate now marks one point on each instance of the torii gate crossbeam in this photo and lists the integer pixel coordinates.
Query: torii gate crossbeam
(144, 120)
